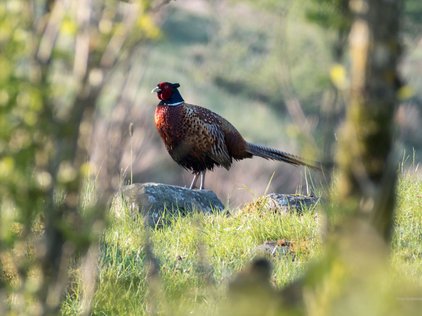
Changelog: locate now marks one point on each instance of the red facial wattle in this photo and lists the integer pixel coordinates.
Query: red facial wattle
(166, 92)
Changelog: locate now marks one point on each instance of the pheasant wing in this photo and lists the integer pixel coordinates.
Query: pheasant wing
(207, 136)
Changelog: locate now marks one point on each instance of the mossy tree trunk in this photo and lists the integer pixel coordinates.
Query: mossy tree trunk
(365, 156)
(361, 217)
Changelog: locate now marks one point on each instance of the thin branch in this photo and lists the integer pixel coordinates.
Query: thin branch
(160, 5)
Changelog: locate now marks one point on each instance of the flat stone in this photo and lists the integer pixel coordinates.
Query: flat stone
(274, 248)
(282, 203)
(157, 201)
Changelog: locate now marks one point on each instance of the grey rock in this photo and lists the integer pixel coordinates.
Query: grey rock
(283, 203)
(157, 201)
(289, 202)
(277, 248)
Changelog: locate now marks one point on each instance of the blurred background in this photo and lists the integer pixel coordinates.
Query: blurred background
(75, 82)
(269, 67)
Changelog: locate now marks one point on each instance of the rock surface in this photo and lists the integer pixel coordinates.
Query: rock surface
(157, 201)
(160, 201)
(276, 248)
(283, 203)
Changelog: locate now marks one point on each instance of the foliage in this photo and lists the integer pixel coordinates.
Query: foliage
(55, 58)
(268, 66)
(330, 14)
(413, 12)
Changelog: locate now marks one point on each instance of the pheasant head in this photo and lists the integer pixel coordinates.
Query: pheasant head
(168, 93)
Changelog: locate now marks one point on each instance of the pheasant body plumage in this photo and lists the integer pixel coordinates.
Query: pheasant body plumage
(199, 139)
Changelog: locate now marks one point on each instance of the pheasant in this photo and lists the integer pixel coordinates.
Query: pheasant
(199, 139)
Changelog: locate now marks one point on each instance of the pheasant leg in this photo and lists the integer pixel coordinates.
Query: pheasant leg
(201, 187)
(195, 179)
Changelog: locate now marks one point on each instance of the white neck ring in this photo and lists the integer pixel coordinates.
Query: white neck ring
(174, 104)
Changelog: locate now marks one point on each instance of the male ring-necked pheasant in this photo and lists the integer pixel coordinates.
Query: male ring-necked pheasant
(199, 139)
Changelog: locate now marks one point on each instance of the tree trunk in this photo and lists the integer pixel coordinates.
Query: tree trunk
(365, 157)
(361, 218)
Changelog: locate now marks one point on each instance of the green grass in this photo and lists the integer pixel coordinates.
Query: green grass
(407, 241)
(228, 243)
(199, 254)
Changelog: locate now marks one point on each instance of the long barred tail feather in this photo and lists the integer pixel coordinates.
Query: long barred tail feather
(275, 154)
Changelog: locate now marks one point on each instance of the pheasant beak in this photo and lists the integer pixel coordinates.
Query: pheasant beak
(156, 89)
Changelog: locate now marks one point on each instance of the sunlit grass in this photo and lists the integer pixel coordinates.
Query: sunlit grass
(407, 241)
(199, 254)
(228, 243)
